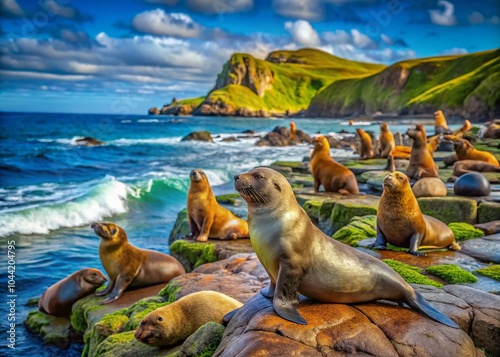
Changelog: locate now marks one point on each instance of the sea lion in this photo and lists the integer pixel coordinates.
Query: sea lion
(466, 151)
(208, 219)
(333, 176)
(433, 143)
(400, 221)
(128, 266)
(401, 152)
(387, 142)
(292, 130)
(366, 147)
(390, 164)
(440, 124)
(172, 324)
(492, 131)
(463, 129)
(300, 258)
(421, 161)
(466, 166)
(58, 299)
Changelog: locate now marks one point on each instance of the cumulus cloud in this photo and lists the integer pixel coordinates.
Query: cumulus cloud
(11, 9)
(337, 37)
(361, 40)
(386, 39)
(445, 17)
(302, 33)
(299, 9)
(454, 51)
(211, 6)
(157, 22)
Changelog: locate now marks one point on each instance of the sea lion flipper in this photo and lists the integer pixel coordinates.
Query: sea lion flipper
(121, 283)
(422, 305)
(269, 291)
(107, 289)
(286, 296)
(380, 241)
(415, 241)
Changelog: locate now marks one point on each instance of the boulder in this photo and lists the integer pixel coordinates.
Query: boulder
(359, 228)
(199, 136)
(345, 210)
(203, 342)
(488, 211)
(181, 227)
(472, 184)
(449, 209)
(489, 228)
(53, 330)
(429, 187)
(154, 111)
(486, 249)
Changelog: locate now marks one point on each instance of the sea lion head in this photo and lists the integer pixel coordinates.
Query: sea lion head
(320, 143)
(155, 329)
(197, 176)
(384, 127)
(263, 187)
(93, 277)
(109, 232)
(396, 182)
(440, 119)
(418, 133)
(360, 132)
(461, 146)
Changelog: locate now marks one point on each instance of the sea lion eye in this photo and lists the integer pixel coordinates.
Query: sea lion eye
(257, 176)
(401, 178)
(276, 186)
(159, 319)
(113, 231)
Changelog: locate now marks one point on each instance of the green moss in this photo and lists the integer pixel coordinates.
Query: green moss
(312, 208)
(488, 211)
(229, 198)
(170, 291)
(111, 342)
(291, 164)
(181, 227)
(410, 273)
(53, 330)
(195, 253)
(32, 302)
(344, 211)
(326, 209)
(140, 309)
(465, 231)
(451, 274)
(110, 324)
(204, 341)
(492, 271)
(81, 310)
(449, 209)
(358, 229)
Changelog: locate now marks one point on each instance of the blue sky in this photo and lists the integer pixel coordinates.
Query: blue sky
(122, 57)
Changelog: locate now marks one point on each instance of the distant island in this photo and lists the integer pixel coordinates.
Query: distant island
(312, 83)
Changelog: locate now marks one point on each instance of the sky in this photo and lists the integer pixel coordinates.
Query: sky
(125, 56)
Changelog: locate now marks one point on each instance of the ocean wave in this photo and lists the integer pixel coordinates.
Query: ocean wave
(101, 201)
(152, 141)
(148, 121)
(65, 141)
(358, 123)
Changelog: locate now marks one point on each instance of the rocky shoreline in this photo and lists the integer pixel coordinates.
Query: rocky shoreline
(232, 268)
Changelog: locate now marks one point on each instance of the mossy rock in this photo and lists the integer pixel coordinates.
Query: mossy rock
(181, 227)
(169, 293)
(492, 177)
(193, 254)
(312, 209)
(32, 302)
(125, 345)
(449, 209)
(358, 229)
(345, 210)
(137, 311)
(372, 175)
(199, 136)
(290, 164)
(411, 274)
(488, 211)
(445, 174)
(53, 330)
(203, 342)
(82, 309)
(465, 231)
(109, 325)
(228, 199)
(451, 274)
(492, 271)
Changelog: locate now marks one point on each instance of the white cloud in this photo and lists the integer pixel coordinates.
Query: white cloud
(361, 40)
(299, 9)
(495, 20)
(445, 17)
(454, 51)
(220, 6)
(302, 33)
(476, 18)
(386, 39)
(157, 22)
(10, 8)
(337, 37)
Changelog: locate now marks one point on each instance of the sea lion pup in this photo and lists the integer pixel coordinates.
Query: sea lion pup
(387, 142)
(366, 147)
(58, 299)
(292, 130)
(466, 151)
(172, 324)
(440, 124)
(333, 176)
(421, 161)
(300, 258)
(207, 218)
(128, 266)
(400, 221)
(466, 166)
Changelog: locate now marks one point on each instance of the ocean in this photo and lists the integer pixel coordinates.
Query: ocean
(52, 189)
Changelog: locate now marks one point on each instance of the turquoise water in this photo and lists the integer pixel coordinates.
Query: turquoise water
(52, 189)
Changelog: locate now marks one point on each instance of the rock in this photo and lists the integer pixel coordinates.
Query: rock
(181, 227)
(199, 136)
(192, 254)
(88, 141)
(486, 249)
(345, 210)
(449, 209)
(203, 342)
(359, 228)
(429, 187)
(53, 330)
(472, 184)
(488, 211)
(312, 209)
(374, 329)
(153, 111)
(489, 228)
(230, 139)
(241, 276)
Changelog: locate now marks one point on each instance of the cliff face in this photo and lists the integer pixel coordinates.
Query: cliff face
(459, 85)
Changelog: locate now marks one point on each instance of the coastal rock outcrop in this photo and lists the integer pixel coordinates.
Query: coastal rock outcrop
(199, 136)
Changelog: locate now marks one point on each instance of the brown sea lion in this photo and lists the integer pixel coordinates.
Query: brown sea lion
(128, 266)
(463, 129)
(400, 221)
(466, 151)
(466, 166)
(366, 147)
(333, 176)
(492, 131)
(387, 142)
(433, 143)
(390, 164)
(58, 299)
(440, 124)
(300, 258)
(401, 152)
(292, 130)
(207, 218)
(172, 324)
(421, 161)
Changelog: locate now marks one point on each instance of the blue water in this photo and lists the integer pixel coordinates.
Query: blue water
(52, 189)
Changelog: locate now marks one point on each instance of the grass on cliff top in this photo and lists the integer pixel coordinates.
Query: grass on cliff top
(451, 274)
(193, 102)
(411, 274)
(449, 80)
